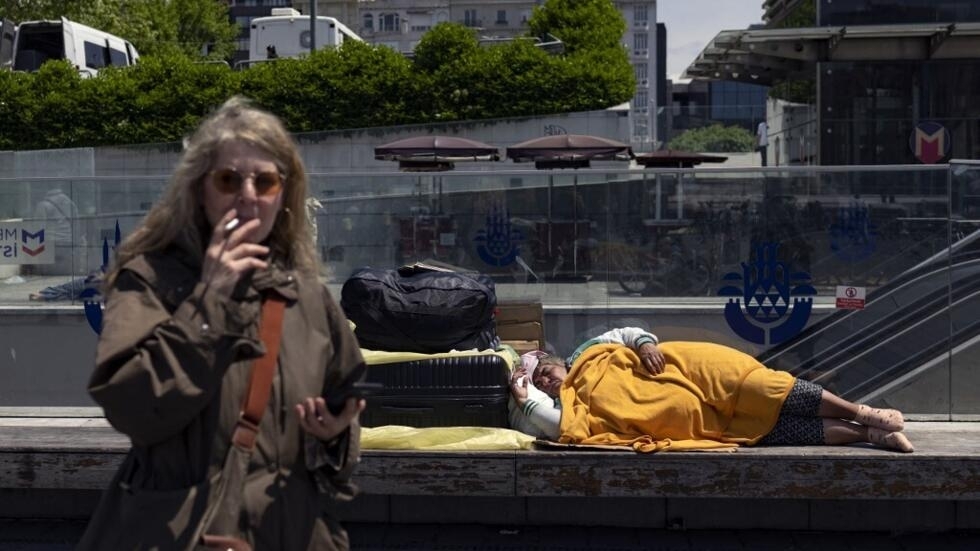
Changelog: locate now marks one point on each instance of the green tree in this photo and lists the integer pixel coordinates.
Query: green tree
(358, 85)
(34, 10)
(444, 44)
(715, 138)
(580, 24)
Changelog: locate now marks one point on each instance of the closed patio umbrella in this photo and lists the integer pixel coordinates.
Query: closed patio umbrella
(568, 151)
(432, 153)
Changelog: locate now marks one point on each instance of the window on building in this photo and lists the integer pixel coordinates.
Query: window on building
(469, 18)
(501, 17)
(639, 41)
(369, 21)
(640, 13)
(640, 127)
(641, 100)
(388, 22)
(640, 72)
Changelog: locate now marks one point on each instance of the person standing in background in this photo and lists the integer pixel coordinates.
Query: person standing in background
(60, 216)
(762, 140)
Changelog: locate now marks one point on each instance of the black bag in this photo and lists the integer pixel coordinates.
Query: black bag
(419, 310)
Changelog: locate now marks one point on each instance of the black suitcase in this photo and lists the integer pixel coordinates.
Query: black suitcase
(462, 390)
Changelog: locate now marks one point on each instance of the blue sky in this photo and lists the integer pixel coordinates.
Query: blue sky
(692, 23)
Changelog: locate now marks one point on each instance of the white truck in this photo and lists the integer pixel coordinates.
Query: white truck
(26, 46)
(286, 33)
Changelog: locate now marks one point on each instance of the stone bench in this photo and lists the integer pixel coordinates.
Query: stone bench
(935, 488)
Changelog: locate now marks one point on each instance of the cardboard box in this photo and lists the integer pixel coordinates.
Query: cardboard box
(528, 331)
(522, 346)
(521, 322)
(517, 312)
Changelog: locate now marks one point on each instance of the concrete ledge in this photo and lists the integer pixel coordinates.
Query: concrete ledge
(47, 463)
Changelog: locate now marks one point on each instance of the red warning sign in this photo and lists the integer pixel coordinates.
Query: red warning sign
(850, 298)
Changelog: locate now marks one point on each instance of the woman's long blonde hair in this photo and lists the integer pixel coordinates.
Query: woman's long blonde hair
(178, 217)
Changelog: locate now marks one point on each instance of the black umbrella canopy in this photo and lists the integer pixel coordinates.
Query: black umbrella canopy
(568, 151)
(677, 159)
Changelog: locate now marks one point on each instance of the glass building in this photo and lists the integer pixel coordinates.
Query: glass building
(896, 80)
(871, 110)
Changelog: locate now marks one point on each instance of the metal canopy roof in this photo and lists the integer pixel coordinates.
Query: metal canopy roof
(764, 56)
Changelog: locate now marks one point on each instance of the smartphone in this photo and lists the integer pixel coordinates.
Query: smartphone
(358, 389)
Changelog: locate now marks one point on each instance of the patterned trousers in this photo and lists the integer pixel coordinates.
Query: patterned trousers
(798, 422)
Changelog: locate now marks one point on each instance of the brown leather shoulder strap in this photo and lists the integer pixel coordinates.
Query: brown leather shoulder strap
(263, 369)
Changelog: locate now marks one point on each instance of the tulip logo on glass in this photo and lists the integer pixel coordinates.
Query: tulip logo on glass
(498, 244)
(768, 284)
(852, 235)
(92, 297)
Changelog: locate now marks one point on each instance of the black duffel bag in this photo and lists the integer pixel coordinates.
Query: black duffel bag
(421, 310)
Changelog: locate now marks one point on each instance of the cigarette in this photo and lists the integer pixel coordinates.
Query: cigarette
(232, 224)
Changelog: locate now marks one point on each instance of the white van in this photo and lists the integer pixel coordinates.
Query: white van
(286, 33)
(86, 48)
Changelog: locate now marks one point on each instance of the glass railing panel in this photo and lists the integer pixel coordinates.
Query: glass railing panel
(43, 238)
(52, 310)
(964, 345)
(836, 233)
(609, 246)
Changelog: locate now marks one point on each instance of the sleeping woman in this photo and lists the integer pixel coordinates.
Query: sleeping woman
(626, 388)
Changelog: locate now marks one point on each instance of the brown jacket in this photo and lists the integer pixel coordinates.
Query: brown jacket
(172, 367)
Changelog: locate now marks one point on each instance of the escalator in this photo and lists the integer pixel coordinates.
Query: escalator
(908, 323)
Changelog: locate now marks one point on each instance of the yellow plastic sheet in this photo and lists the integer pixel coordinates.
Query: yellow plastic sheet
(397, 437)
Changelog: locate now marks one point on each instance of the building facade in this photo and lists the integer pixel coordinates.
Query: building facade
(892, 81)
(902, 111)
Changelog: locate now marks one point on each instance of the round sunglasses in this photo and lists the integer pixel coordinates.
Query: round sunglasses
(229, 181)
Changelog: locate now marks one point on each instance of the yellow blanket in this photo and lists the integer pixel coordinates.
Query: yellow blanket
(397, 437)
(709, 396)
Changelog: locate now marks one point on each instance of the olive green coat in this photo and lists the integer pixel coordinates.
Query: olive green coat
(172, 367)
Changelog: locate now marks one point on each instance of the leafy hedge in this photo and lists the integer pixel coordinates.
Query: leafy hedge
(715, 139)
(357, 85)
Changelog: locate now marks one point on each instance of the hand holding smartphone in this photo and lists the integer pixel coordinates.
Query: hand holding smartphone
(358, 389)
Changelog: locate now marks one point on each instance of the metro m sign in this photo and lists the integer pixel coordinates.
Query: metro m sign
(930, 142)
